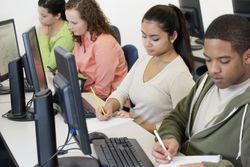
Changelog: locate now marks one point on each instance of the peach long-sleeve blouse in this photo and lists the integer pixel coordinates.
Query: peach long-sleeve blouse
(102, 61)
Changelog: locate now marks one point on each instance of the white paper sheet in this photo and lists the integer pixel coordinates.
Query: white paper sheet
(180, 160)
(96, 125)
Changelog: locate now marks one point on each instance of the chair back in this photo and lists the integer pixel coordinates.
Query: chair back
(131, 54)
(117, 33)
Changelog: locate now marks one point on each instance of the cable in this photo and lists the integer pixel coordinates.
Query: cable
(56, 153)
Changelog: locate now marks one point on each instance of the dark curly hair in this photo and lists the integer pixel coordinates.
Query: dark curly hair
(91, 12)
(54, 7)
(231, 28)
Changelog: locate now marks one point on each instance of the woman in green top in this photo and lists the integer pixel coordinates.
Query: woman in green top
(53, 30)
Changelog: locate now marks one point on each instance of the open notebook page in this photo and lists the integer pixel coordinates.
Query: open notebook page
(180, 160)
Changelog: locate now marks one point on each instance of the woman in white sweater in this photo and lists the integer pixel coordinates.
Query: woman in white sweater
(156, 83)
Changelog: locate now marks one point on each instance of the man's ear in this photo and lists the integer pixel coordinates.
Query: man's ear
(247, 56)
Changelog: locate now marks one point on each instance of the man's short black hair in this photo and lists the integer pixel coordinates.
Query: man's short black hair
(232, 28)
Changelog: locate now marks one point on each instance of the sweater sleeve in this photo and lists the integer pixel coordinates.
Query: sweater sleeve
(107, 60)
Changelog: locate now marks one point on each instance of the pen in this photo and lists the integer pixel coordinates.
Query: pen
(53, 71)
(97, 100)
(162, 145)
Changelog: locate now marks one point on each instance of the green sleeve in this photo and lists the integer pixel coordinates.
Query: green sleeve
(45, 50)
(65, 42)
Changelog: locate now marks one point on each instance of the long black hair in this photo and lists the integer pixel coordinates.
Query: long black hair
(171, 19)
(54, 7)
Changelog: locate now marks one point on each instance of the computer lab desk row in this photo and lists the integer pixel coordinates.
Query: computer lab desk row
(20, 137)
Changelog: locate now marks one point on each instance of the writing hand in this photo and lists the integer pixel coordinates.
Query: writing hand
(161, 155)
(106, 116)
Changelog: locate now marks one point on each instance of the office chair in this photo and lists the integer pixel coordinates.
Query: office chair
(117, 33)
(201, 70)
(131, 54)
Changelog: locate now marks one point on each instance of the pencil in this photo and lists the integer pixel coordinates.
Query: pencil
(97, 100)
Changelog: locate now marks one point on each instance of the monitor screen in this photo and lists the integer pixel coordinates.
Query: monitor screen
(192, 12)
(8, 46)
(242, 8)
(70, 100)
(33, 62)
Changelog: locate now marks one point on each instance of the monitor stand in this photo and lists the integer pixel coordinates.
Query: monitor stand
(77, 162)
(18, 111)
(4, 90)
(45, 136)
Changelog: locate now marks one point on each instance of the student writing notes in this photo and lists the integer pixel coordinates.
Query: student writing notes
(214, 118)
(98, 55)
(53, 31)
(159, 80)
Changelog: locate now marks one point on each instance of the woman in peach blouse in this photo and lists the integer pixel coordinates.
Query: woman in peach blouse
(97, 52)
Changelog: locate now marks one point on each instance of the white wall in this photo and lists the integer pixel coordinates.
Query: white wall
(124, 14)
(24, 13)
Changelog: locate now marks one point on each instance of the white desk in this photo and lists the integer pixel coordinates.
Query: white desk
(21, 140)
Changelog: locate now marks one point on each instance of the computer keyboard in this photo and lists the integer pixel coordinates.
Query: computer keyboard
(89, 111)
(120, 152)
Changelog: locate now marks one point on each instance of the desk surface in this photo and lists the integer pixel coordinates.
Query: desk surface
(21, 140)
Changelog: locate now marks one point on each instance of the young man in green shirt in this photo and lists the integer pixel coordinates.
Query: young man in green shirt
(215, 117)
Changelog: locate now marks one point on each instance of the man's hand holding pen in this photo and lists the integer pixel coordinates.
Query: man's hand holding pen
(165, 156)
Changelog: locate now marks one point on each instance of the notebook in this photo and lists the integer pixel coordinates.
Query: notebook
(181, 160)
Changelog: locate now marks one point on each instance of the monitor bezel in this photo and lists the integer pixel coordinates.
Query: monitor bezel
(66, 79)
(5, 76)
(29, 64)
(241, 8)
(193, 6)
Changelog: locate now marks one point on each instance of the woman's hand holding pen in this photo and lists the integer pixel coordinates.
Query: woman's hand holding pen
(108, 112)
(161, 155)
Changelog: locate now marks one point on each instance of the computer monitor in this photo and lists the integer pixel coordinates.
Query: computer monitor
(9, 50)
(242, 8)
(33, 62)
(192, 12)
(67, 87)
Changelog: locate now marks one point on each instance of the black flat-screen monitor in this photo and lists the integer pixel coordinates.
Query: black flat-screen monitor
(242, 8)
(33, 61)
(70, 100)
(192, 12)
(9, 50)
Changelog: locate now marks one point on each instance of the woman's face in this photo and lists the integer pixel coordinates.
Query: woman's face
(45, 17)
(155, 41)
(76, 24)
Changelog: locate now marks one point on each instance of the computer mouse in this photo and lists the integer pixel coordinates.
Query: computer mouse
(96, 135)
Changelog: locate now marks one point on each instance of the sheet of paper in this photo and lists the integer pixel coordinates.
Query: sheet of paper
(180, 160)
(96, 125)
